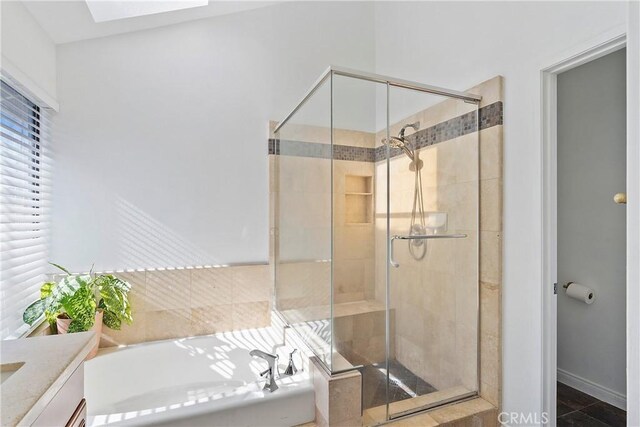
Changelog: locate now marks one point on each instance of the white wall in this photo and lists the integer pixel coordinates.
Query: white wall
(633, 214)
(28, 54)
(459, 44)
(591, 227)
(161, 138)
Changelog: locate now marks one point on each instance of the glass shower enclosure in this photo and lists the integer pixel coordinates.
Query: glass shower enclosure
(376, 222)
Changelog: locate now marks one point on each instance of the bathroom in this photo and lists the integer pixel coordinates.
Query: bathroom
(357, 188)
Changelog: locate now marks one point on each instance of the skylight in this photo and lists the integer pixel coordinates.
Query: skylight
(111, 10)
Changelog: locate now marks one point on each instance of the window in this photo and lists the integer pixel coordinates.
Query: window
(24, 205)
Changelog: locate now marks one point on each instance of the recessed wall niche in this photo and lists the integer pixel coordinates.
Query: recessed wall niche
(358, 199)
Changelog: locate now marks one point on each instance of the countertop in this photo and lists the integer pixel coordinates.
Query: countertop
(48, 362)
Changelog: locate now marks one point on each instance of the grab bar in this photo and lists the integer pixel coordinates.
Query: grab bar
(419, 237)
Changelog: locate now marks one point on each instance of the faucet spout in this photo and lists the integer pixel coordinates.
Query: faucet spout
(269, 374)
(264, 355)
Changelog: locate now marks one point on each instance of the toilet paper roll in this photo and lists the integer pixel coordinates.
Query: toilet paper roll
(581, 293)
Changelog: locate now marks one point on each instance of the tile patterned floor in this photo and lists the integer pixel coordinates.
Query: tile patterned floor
(403, 385)
(576, 408)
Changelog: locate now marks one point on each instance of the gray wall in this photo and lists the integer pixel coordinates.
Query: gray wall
(591, 227)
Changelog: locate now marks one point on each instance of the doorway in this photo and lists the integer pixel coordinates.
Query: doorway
(591, 242)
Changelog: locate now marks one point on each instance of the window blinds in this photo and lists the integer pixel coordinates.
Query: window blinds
(25, 170)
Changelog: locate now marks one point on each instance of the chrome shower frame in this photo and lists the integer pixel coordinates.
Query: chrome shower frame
(391, 82)
(378, 78)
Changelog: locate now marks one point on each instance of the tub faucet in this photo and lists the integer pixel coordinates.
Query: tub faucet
(291, 368)
(270, 373)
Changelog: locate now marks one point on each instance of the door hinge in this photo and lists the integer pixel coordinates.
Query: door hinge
(555, 289)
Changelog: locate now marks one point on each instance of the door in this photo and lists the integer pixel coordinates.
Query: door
(432, 166)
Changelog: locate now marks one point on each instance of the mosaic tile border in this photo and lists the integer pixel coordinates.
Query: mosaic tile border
(321, 151)
(488, 116)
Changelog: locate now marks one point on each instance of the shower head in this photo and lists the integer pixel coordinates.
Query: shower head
(401, 143)
(395, 142)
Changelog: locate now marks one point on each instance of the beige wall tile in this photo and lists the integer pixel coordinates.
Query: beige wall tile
(489, 360)
(466, 256)
(251, 283)
(490, 347)
(251, 315)
(345, 400)
(440, 253)
(337, 397)
(370, 278)
(128, 334)
(273, 172)
(491, 394)
(464, 215)
(168, 289)
(491, 205)
(438, 113)
(306, 133)
(166, 324)
(490, 309)
(322, 135)
(188, 302)
(489, 418)
(299, 281)
(354, 242)
(343, 329)
(490, 257)
(211, 286)
(411, 325)
(211, 319)
(354, 138)
(444, 162)
(344, 297)
(410, 354)
(467, 157)
(348, 276)
(466, 356)
(321, 388)
(491, 153)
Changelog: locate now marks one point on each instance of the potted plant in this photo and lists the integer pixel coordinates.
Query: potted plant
(80, 303)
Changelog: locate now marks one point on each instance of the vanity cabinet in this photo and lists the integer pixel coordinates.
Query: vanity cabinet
(68, 407)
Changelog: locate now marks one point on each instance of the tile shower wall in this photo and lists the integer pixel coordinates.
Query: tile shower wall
(176, 303)
(435, 299)
(432, 313)
(305, 193)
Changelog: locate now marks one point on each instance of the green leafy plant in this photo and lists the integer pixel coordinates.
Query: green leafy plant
(79, 297)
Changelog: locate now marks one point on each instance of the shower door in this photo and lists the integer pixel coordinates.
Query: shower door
(376, 236)
(431, 178)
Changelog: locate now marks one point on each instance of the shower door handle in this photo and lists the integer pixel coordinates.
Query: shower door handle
(418, 237)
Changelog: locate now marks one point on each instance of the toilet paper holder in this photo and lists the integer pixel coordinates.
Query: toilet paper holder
(579, 292)
(566, 285)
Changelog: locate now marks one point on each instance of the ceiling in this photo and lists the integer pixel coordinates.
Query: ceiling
(70, 20)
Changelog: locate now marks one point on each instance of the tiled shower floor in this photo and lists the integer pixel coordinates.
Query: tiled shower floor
(403, 384)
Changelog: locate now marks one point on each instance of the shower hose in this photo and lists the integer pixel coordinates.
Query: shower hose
(417, 248)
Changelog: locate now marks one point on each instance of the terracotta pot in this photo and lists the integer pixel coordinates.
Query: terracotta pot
(63, 325)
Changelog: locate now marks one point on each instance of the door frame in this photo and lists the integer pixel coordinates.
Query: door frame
(603, 45)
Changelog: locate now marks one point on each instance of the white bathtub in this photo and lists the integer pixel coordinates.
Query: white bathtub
(201, 381)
